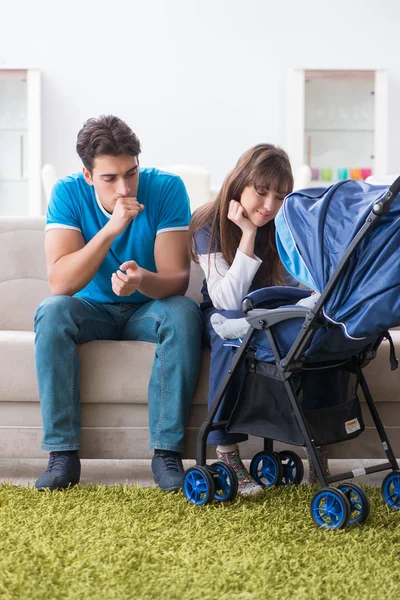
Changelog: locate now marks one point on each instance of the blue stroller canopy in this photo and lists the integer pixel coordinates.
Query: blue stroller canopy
(314, 228)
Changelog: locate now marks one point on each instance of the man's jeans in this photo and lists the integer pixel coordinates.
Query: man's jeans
(62, 322)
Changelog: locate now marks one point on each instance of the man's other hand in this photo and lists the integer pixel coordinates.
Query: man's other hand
(126, 284)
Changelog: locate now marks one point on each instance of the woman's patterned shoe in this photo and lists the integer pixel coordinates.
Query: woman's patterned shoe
(246, 484)
(322, 453)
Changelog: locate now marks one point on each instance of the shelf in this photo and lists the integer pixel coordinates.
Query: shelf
(20, 140)
(321, 183)
(21, 180)
(325, 183)
(20, 129)
(313, 130)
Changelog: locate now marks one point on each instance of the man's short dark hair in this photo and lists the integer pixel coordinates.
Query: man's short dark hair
(106, 135)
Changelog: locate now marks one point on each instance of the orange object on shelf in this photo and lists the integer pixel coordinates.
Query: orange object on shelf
(355, 173)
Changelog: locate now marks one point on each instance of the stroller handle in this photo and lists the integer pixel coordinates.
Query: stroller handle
(395, 187)
(383, 206)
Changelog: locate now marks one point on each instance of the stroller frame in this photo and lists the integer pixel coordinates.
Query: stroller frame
(292, 363)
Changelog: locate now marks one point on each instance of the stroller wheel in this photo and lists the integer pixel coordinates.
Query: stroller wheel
(359, 503)
(330, 508)
(226, 482)
(293, 470)
(266, 468)
(391, 489)
(198, 485)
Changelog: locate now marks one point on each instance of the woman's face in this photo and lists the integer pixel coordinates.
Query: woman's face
(262, 204)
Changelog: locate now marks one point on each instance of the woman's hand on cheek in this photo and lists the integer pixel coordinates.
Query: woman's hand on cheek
(238, 215)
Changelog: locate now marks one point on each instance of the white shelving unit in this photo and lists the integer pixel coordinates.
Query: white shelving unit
(337, 119)
(20, 141)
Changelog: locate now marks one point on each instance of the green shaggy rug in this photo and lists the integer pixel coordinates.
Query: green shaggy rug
(128, 542)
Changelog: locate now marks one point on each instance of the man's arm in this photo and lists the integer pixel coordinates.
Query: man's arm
(71, 263)
(173, 268)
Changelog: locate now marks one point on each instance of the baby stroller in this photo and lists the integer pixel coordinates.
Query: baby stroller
(343, 242)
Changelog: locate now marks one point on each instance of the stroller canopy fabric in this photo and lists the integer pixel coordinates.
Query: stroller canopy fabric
(314, 228)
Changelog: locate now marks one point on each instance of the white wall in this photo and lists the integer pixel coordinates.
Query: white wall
(198, 80)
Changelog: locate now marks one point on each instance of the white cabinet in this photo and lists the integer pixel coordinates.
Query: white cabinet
(20, 141)
(337, 122)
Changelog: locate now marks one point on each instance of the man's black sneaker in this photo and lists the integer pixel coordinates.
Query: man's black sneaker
(63, 470)
(167, 470)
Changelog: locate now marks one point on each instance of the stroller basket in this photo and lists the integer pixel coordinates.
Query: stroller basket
(263, 407)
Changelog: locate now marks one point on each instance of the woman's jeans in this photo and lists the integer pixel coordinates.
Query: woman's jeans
(63, 322)
(221, 358)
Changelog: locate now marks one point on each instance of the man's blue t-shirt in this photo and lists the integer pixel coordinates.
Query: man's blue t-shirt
(74, 205)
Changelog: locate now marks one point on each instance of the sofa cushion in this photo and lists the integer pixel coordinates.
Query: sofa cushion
(195, 283)
(383, 383)
(17, 367)
(116, 372)
(23, 279)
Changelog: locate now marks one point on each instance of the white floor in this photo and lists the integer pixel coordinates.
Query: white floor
(109, 472)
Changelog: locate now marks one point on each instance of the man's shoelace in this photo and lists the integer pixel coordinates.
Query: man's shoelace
(170, 462)
(57, 461)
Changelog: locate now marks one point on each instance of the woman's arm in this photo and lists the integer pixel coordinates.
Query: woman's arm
(227, 285)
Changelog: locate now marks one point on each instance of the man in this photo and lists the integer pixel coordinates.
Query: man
(118, 267)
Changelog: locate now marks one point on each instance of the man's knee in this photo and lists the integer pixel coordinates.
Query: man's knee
(183, 314)
(53, 310)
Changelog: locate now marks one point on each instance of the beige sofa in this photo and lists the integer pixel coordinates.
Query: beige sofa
(114, 412)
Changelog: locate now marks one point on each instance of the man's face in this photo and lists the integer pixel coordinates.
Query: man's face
(113, 177)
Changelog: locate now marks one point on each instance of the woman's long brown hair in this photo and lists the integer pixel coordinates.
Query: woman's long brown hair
(262, 166)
